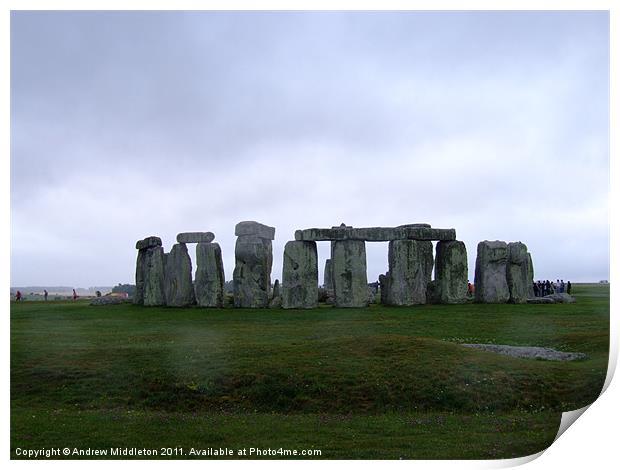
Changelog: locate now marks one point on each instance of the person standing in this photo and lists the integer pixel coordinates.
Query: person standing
(18, 296)
(45, 294)
(568, 287)
(535, 288)
(562, 286)
(74, 295)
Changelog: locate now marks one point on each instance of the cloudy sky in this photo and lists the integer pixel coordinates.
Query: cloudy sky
(129, 124)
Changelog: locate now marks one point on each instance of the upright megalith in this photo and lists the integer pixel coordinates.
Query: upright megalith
(349, 273)
(517, 273)
(530, 276)
(300, 275)
(178, 278)
(150, 272)
(253, 260)
(138, 297)
(276, 298)
(209, 279)
(154, 277)
(328, 282)
(410, 270)
(450, 272)
(490, 280)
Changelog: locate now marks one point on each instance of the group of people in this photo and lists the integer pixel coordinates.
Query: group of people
(542, 288)
(19, 297)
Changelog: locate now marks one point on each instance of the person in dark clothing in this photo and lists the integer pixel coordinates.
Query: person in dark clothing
(540, 289)
(45, 294)
(568, 287)
(535, 287)
(547, 287)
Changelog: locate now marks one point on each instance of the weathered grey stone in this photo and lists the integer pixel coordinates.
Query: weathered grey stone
(414, 225)
(373, 291)
(451, 272)
(276, 302)
(195, 237)
(255, 229)
(376, 234)
(384, 287)
(410, 270)
(540, 300)
(252, 274)
(138, 297)
(154, 266)
(529, 352)
(108, 300)
(562, 298)
(517, 273)
(490, 280)
(148, 242)
(432, 293)
(328, 282)
(209, 279)
(300, 275)
(178, 278)
(349, 273)
(530, 276)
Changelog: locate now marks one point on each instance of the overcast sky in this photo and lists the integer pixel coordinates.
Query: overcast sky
(129, 124)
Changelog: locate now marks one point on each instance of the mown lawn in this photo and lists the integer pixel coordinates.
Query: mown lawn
(354, 383)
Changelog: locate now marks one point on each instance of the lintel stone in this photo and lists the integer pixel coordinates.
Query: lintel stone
(195, 237)
(255, 229)
(148, 242)
(377, 234)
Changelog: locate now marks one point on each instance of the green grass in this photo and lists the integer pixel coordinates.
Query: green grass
(355, 383)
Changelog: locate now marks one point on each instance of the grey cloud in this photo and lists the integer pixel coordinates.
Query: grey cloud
(125, 124)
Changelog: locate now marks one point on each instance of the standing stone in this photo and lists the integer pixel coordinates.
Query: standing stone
(451, 272)
(253, 260)
(490, 281)
(141, 265)
(530, 276)
(209, 280)
(138, 297)
(410, 270)
(300, 275)
(178, 279)
(384, 287)
(349, 273)
(154, 266)
(517, 273)
(276, 298)
(328, 282)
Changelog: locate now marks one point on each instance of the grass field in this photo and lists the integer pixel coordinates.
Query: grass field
(352, 383)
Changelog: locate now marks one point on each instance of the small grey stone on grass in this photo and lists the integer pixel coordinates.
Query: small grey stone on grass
(109, 300)
(528, 352)
(540, 300)
(561, 298)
